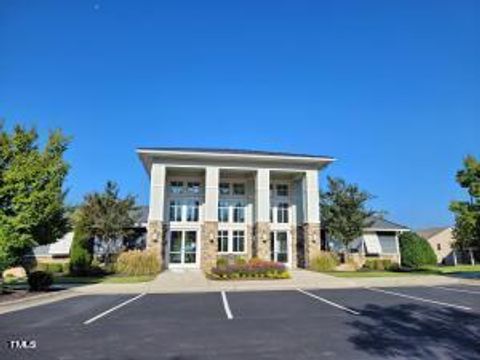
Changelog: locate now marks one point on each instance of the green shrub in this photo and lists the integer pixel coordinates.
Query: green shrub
(80, 255)
(50, 267)
(138, 262)
(326, 261)
(222, 261)
(40, 280)
(416, 251)
(66, 267)
(239, 260)
(378, 264)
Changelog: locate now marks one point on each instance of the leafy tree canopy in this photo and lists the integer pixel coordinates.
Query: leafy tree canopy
(107, 216)
(32, 209)
(344, 210)
(467, 213)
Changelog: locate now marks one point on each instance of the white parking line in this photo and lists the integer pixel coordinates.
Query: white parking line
(89, 321)
(420, 299)
(329, 302)
(457, 290)
(226, 306)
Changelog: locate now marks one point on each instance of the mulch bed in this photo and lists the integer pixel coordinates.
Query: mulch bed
(17, 294)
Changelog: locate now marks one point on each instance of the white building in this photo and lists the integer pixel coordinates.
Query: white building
(206, 203)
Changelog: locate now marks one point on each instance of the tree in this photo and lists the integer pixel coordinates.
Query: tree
(80, 252)
(416, 251)
(32, 210)
(106, 216)
(467, 213)
(343, 210)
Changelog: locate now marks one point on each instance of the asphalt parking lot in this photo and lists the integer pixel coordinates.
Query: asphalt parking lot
(364, 323)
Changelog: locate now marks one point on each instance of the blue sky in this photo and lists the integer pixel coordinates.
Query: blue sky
(390, 88)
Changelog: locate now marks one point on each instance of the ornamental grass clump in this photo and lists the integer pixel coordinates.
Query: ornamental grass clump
(137, 262)
(252, 269)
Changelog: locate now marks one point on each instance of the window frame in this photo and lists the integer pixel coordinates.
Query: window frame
(179, 185)
(223, 240)
(238, 237)
(278, 191)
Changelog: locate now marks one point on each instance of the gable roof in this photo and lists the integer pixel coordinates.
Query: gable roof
(381, 224)
(431, 232)
(230, 151)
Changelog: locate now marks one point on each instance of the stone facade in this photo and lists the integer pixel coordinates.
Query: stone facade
(155, 239)
(311, 233)
(208, 246)
(261, 248)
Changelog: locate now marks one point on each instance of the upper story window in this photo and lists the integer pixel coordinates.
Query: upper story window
(238, 189)
(175, 213)
(282, 189)
(193, 187)
(439, 247)
(176, 187)
(193, 210)
(223, 210)
(282, 213)
(224, 188)
(239, 213)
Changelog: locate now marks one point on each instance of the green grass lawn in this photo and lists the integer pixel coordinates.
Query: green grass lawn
(59, 279)
(473, 271)
(109, 279)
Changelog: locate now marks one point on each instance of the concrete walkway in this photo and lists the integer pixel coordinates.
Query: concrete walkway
(195, 281)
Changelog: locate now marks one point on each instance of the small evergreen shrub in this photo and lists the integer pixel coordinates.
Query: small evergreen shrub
(80, 253)
(326, 261)
(416, 251)
(40, 280)
(138, 262)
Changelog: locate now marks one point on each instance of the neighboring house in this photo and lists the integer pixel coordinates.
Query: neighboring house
(59, 251)
(441, 240)
(379, 240)
(207, 203)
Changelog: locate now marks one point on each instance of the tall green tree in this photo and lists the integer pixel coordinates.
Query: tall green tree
(467, 213)
(344, 212)
(32, 209)
(107, 216)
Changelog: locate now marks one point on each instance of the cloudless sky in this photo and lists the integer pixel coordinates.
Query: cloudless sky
(390, 88)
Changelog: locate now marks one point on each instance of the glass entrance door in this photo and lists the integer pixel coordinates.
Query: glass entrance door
(183, 248)
(279, 246)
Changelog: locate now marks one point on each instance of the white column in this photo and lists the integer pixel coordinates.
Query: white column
(211, 193)
(262, 195)
(157, 192)
(312, 197)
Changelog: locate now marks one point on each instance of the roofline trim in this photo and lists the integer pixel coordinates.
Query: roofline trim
(239, 155)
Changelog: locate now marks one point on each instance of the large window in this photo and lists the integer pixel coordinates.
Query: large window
(224, 188)
(223, 211)
(175, 210)
(238, 189)
(282, 190)
(239, 213)
(193, 187)
(192, 210)
(222, 241)
(238, 243)
(282, 213)
(176, 187)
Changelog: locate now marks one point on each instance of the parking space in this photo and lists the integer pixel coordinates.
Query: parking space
(311, 324)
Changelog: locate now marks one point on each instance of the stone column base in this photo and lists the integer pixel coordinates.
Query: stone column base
(261, 247)
(155, 239)
(311, 235)
(208, 248)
